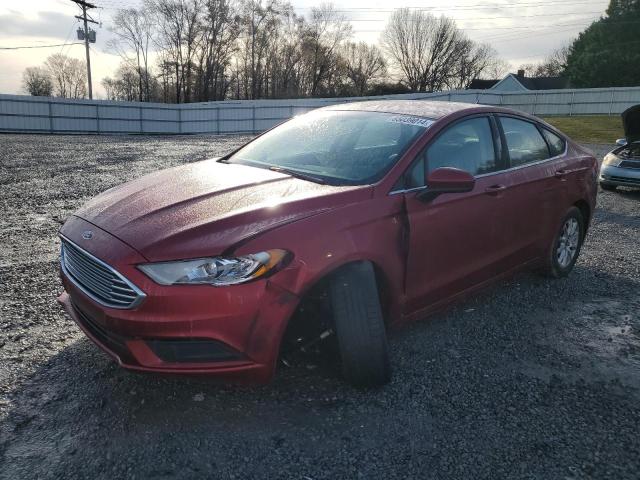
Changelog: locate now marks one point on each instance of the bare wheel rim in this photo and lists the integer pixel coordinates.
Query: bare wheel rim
(568, 243)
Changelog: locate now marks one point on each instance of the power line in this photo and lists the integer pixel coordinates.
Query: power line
(40, 46)
(66, 40)
(511, 17)
(116, 5)
(476, 6)
(503, 36)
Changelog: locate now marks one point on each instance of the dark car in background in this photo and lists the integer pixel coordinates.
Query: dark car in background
(621, 167)
(337, 224)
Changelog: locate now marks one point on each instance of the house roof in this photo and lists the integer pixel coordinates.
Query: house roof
(543, 83)
(481, 84)
(527, 83)
(536, 83)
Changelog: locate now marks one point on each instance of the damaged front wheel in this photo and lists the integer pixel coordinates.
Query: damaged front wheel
(359, 325)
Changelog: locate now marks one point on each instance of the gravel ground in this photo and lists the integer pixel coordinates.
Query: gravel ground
(532, 379)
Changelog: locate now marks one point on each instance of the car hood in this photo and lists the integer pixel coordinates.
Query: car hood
(631, 123)
(203, 208)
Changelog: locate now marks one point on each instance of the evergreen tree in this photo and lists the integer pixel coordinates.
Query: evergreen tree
(607, 53)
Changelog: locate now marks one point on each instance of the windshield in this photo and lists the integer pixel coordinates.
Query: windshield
(336, 147)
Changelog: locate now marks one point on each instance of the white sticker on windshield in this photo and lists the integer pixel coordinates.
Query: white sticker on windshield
(411, 120)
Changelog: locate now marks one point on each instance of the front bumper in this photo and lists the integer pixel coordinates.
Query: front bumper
(241, 326)
(623, 177)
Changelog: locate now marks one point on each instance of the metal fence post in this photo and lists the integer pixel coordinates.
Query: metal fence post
(140, 118)
(253, 117)
(179, 118)
(613, 95)
(98, 119)
(573, 94)
(50, 117)
(217, 120)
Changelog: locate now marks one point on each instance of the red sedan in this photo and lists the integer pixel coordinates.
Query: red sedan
(334, 225)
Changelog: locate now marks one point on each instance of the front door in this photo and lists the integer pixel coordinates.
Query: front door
(457, 240)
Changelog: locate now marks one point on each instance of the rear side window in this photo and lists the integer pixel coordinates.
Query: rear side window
(556, 143)
(524, 141)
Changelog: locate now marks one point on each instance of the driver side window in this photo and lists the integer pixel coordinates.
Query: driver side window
(467, 145)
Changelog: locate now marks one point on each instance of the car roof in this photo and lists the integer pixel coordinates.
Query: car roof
(432, 109)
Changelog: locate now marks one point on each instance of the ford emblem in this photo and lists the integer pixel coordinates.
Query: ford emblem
(88, 235)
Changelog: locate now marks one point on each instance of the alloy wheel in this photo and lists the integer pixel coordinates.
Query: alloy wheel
(568, 243)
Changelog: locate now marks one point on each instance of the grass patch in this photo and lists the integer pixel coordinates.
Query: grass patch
(590, 129)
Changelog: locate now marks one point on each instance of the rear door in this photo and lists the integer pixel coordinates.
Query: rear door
(456, 240)
(538, 178)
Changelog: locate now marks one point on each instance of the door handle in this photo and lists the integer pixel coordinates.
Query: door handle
(561, 174)
(495, 189)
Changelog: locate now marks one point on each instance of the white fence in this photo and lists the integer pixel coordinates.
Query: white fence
(19, 113)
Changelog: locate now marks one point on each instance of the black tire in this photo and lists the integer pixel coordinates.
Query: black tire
(553, 268)
(608, 188)
(359, 324)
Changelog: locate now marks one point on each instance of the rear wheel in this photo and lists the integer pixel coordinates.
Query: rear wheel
(566, 245)
(359, 324)
(608, 188)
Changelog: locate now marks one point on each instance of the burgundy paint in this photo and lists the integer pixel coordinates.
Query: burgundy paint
(427, 253)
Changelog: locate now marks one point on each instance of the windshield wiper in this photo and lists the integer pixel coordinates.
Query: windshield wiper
(296, 174)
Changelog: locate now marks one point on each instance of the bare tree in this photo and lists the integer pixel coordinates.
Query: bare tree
(68, 75)
(553, 66)
(326, 31)
(125, 84)
(287, 57)
(216, 45)
(497, 69)
(259, 37)
(473, 61)
(178, 23)
(423, 48)
(249, 49)
(37, 82)
(134, 32)
(364, 64)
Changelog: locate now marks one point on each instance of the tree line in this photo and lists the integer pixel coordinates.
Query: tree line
(179, 51)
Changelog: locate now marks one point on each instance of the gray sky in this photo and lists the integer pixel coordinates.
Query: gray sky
(522, 31)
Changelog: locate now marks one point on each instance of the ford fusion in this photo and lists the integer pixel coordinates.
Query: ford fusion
(328, 229)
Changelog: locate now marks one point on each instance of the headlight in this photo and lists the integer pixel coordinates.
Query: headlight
(611, 159)
(217, 271)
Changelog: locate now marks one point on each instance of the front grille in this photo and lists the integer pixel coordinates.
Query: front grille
(625, 180)
(629, 164)
(97, 279)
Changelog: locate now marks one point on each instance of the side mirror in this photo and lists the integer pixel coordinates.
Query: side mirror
(447, 180)
(621, 142)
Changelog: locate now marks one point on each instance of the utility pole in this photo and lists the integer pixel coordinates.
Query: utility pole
(87, 38)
